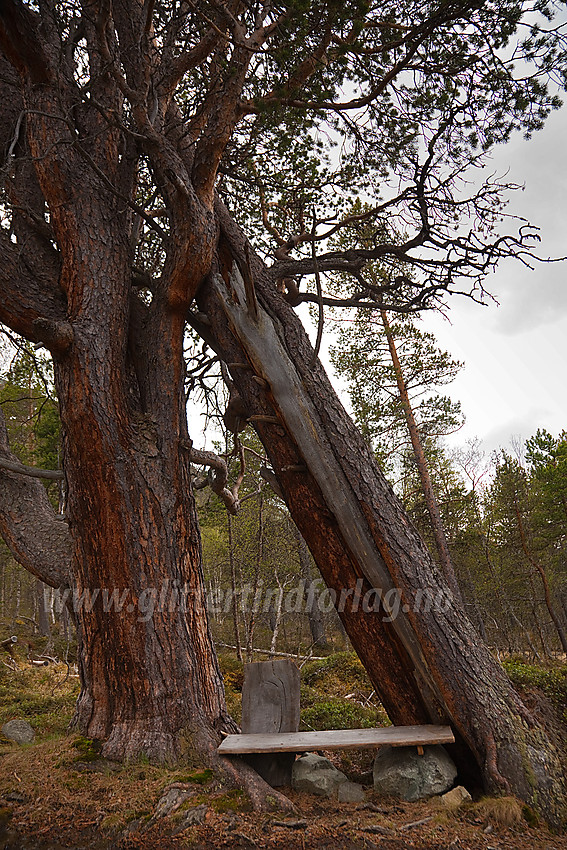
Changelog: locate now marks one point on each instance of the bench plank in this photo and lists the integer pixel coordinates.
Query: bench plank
(336, 739)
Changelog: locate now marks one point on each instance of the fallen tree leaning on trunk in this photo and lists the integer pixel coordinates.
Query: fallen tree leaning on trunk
(426, 665)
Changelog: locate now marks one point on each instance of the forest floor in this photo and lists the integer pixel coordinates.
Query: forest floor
(56, 793)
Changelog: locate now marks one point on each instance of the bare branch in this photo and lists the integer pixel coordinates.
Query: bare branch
(218, 476)
(37, 537)
(319, 291)
(32, 471)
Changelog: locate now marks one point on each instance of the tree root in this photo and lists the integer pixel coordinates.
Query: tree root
(234, 772)
(263, 797)
(239, 774)
(492, 766)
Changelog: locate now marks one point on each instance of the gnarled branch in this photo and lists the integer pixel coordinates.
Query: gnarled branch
(38, 538)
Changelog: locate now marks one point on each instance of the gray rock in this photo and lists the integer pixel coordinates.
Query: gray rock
(193, 817)
(19, 731)
(172, 798)
(401, 772)
(350, 792)
(317, 775)
(133, 827)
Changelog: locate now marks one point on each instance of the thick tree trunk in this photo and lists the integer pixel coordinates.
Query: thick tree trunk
(149, 675)
(427, 663)
(150, 678)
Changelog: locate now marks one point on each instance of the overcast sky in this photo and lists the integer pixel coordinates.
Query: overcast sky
(515, 353)
(515, 379)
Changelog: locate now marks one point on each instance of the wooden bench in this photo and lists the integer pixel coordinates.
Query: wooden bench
(336, 739)
(270, 720)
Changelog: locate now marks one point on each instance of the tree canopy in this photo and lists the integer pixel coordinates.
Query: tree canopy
(290, 112)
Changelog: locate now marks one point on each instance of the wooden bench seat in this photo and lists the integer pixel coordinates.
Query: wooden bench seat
(335, 739)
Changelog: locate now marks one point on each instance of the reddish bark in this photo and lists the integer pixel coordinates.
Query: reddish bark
(150, 684)
(426, 665)
(421, 463)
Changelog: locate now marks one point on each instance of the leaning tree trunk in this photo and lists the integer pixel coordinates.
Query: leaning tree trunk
(427, 662)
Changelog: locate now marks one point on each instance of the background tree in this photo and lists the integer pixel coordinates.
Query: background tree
(252, 561)
(547, 468)
(389, 367)
(511, 506)
(363, 357)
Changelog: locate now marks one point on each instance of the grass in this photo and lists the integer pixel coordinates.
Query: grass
(551, 680)
(45, 697)
(500, 811)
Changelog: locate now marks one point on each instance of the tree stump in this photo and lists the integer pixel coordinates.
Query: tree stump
(270, 703)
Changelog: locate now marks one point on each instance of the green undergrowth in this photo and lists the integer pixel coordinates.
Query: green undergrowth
(336, 671)
(551, 680)
(234, 800)
(233, 675)
(44, 697)
(336, 693)
(340, 714)
(199, 777)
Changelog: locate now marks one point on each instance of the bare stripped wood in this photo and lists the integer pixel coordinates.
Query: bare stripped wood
(270, 697)
(336, 739)
(270, 705)
(272, 362)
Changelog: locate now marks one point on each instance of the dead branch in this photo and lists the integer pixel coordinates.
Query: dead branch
(217, 476)
(32, 471)
(282, 654)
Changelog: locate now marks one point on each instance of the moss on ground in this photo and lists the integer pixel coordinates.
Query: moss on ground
(45, 697)
(88, 749)
(233, 801)
(551, 680)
